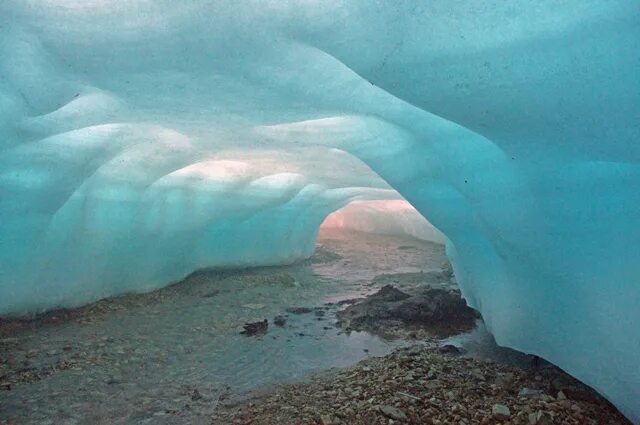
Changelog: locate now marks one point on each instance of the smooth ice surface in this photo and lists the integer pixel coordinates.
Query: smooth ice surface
(391, 217)
(140, 140)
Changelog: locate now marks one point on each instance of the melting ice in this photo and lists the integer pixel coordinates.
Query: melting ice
(141, 140)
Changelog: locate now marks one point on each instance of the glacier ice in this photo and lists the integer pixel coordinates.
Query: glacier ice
(140, 140)
(384, 217)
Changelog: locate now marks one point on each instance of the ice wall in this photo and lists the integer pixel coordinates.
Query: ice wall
(384, 217)
(141, 139)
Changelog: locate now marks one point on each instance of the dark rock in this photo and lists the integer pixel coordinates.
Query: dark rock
(389, 293)
(572, 389)
(349, 301)
(299, 310)
(279, 321)
(112, 380)
(450, 349)
(195, 395)
(255, 328)
(441, 311)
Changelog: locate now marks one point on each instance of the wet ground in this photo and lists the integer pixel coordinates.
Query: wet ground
(173, 355)
(422, 385)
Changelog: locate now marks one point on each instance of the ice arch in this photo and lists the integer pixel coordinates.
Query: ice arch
(141, 139)
(385, 217)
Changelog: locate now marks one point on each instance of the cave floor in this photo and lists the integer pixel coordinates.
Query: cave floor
(176, 355)
(427, 386)
(170, 356)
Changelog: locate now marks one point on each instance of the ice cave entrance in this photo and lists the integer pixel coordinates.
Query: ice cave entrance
(384, 217)
(165, 168)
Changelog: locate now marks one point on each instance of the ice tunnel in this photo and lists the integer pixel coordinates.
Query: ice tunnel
(141, 140)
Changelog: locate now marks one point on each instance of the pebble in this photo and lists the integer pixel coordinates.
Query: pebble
(529, 393)
(500, 411)
(393, 412)
(327, 420)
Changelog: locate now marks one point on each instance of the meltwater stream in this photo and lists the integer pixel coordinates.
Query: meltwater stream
(171, 356)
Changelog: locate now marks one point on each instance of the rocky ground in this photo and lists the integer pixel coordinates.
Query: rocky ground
(424, 384)
(427, 385)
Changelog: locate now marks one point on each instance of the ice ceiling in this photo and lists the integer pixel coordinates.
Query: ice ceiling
(140, 140)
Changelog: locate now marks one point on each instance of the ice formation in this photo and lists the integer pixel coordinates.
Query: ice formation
(142, 139)
(384, 217)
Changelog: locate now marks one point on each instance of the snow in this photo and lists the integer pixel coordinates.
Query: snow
(141, 140)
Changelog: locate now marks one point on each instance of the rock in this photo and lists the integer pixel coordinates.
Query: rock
(561, 396)
(449, 349)
(579, 393)
(255, 328)
(253, 306)
(539, 418)
(477, 373)
(327, 420)
(299, 310)
(195, 395)
(408, 396)
(505, 381)
(279, 321)
(438, 310)
(529, 393)
(112, 380)
(393, 412)
(500, 411)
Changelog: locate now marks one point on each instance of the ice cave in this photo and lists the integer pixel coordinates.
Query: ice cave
(149, 142)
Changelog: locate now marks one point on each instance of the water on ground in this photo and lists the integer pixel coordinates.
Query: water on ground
(171, 356)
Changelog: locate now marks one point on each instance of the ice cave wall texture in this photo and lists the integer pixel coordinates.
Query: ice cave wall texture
(143, 139)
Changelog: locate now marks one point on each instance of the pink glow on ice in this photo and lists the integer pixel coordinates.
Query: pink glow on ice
(394, 206)
(391, 217)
